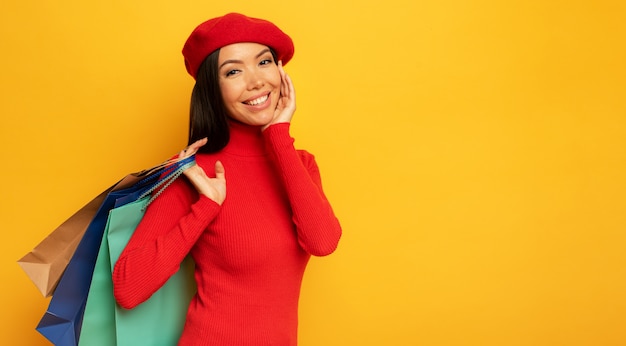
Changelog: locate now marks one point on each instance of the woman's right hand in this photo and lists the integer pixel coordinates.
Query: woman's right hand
(213, 188)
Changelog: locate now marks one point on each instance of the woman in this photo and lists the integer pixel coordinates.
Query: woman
(251, 244)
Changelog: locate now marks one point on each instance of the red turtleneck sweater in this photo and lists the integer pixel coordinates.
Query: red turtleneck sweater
(250, 253)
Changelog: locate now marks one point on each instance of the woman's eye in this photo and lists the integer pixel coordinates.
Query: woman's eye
(231, 72)
(266, 61)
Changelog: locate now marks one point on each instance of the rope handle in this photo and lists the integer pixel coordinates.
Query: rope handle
(162, 165)
(162, 171)
(176, 168)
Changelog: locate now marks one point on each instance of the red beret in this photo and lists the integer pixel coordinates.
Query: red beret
(232, 28)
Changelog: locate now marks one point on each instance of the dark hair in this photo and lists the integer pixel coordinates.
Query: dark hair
(207, 113)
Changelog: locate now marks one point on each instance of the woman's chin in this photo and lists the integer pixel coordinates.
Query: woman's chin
(253, 121)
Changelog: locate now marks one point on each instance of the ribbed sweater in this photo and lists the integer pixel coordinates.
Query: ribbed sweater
(250, 253)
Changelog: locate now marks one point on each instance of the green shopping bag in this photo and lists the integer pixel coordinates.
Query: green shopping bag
(98, 326)
(158, 321)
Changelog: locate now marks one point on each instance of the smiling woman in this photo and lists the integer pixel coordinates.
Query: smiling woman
(250, 81)
(252, 245)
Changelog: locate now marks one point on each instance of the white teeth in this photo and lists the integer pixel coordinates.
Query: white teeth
(257, 101)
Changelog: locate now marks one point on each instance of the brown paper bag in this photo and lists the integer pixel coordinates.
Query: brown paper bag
(46, 263)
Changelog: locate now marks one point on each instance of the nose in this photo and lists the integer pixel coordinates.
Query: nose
(255, 80)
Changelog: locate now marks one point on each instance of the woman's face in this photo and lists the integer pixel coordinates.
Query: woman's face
(249, 81)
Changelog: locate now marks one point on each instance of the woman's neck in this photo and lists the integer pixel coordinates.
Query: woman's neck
(245, 140)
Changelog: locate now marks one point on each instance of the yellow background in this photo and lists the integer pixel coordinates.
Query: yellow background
(475, 152)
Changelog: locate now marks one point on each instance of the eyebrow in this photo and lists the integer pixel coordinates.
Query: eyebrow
(232, 61)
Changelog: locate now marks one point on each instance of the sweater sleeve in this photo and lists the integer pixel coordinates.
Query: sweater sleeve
(169, 229)
(317, 227)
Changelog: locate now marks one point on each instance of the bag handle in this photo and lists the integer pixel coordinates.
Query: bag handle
(158, 168)
(172, 172)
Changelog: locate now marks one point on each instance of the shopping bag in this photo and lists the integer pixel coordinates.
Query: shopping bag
(45, 264)
(157, 321)
(98, 325)
(61, 324)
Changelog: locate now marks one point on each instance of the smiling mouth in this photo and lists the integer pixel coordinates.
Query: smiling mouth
(258, 101)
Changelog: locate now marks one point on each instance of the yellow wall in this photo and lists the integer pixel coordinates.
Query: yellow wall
(475, 152)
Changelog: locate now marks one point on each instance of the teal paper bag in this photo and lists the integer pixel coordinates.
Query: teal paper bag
(158, 321)
(98, 328)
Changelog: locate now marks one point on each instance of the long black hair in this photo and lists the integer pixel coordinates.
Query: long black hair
(207, 112)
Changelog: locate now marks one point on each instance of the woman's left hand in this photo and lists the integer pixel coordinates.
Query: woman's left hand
(213, 188)
(287, 102)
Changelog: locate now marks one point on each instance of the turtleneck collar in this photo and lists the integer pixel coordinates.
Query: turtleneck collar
(245, 140)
